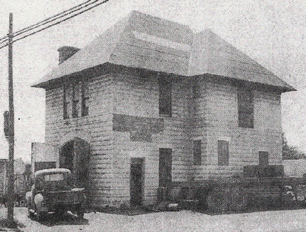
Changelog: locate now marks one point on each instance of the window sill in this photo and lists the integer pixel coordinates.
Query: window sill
(165, 116)
(69, 121)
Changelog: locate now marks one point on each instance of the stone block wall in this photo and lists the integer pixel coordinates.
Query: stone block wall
(217, 117)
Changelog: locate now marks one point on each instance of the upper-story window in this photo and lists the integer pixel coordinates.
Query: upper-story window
(245, 108)
(85, 98)
(74, 94)
(165, 101)
(67, 104)
(75, 100)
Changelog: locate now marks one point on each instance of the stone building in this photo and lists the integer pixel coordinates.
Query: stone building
(150, 102)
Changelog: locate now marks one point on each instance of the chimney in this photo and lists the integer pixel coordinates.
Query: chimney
(66, 52)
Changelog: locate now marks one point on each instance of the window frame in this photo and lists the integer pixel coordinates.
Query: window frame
(75, 99)
(165, 97)
(245, 98)
(85, 98)
(66, 101)
(73, 93)
(197, 152)
(221, 160)
(263, 158)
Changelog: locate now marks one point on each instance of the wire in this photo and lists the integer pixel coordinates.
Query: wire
(44, 21)
(50, 18)
(74, 15)
(54, 19)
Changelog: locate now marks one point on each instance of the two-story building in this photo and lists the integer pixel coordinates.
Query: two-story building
(150, 102)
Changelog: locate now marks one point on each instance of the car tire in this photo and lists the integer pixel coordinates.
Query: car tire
(60, 212)
(40, 215)
(80, 214)
(30, 213)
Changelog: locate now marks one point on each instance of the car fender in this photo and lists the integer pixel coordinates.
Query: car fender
(38, 201)
(28, 196)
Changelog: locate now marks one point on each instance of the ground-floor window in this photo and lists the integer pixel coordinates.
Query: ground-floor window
(165, 167)
(197, 155)
(223, 153)
(263, 158)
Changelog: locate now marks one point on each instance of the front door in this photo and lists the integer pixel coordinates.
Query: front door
(165, 167)
(136, 184)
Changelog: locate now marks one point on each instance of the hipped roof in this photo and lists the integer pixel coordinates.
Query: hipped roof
(146, 42)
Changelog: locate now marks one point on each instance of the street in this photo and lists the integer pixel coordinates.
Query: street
(283, 220)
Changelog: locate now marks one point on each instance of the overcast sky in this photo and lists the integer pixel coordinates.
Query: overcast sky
(270, 32)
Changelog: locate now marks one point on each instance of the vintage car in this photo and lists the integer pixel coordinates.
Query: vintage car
(54, 191)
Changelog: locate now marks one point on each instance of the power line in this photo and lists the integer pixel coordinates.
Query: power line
(56, 23)
(50, 18)
(44, 21)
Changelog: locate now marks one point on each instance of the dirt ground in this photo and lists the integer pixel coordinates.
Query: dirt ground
(283, 220)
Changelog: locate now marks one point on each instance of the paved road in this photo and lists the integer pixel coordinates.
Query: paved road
(285, 220)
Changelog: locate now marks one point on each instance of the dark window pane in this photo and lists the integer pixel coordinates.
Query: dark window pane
(223, 153)
(85, 99)
(75, 100)
(245, 109)
(75, 109)
(197, 152)
(165, 167)
(66, 110)
(263, 158)
(66, 101)
(165, 97)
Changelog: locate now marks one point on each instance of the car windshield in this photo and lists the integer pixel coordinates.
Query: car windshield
(54, 177)
(54, 181)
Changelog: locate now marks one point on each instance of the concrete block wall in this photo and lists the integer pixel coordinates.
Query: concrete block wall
(96, 129)
(218, 117)
(211, 115)
(139, 96)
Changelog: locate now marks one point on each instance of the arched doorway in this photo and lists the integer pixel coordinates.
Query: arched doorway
(74, 155)
(66, 156)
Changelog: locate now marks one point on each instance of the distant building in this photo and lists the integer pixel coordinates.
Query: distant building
(21, 177)
(149, 103)
(3, 177)
(43, 156)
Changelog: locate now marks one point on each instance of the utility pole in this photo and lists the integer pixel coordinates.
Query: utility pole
(10, 191)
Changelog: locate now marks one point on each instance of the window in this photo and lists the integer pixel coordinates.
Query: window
(263, 158)
(85, 98)
(223, 153)
(75, 100)
(74, 93)
(165, 107)
(197, 152)
(245, 109)
(165, 167)
(66, 101)
(54, 177)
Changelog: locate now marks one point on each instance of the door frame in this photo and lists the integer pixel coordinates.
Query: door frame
(162, 157)
(136, 160)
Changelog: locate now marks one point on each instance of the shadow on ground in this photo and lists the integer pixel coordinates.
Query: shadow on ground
(128, 211)
(65, 219)
(12, 226)
(248, 210)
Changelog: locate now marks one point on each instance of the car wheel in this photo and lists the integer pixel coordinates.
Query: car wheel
(40, 215)
(30, 213)
(80, 214)
(60, 212)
